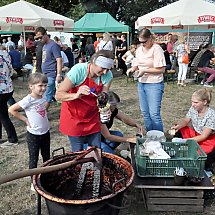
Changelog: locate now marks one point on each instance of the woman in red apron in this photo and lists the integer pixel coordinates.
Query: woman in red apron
(202, 118)
(79, 118)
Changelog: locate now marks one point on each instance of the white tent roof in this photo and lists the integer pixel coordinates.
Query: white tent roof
(24, 16)
(197, 14)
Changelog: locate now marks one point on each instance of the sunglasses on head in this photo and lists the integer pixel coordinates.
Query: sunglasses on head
(143, 42)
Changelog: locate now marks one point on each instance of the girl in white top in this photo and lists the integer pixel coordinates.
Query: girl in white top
(106, 43)
(182, 50)
(36, 120)
(129, 56)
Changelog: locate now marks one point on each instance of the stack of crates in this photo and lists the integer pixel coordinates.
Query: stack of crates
(188, 155)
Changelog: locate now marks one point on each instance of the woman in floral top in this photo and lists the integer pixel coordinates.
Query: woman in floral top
(202, 119)
(6, 91)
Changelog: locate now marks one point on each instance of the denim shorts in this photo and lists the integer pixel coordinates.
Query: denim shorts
(77, 143)
(50, 91)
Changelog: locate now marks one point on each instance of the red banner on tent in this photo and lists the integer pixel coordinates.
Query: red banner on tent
(14, 19)
(157, 20)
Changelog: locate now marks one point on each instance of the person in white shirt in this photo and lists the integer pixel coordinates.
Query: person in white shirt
(64, 59)
(36, 120)
(10, 43)
(106, 43)
(6, 93)
(129, 56)
(21, 41)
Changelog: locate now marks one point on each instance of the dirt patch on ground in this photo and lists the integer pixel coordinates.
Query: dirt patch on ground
(15, 196)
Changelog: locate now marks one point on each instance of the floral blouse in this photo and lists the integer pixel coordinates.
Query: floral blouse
(6, 68)
(199, 123)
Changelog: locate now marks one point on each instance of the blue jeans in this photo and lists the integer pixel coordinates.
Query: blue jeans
(150, 97)
(50, 91)
(77, 143)
(108, 146)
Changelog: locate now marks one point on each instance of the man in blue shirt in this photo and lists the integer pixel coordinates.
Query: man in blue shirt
(15, 59)
(51, 62)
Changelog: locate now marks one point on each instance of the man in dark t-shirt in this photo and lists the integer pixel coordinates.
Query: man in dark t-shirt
(39, 49)
(122, 50)
(67, 50)
(204, 65)
(82, 45)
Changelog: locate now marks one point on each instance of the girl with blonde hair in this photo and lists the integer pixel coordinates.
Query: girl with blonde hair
(129, 56)
(106, 43)
(202, 119)
(182, 50)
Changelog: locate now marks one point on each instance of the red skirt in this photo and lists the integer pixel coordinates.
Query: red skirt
(207, 145)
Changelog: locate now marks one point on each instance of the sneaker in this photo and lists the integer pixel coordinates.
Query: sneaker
(207, 85)
(202, 82)
(8, 144)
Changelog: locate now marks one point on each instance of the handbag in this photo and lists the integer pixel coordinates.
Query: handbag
(185, 59)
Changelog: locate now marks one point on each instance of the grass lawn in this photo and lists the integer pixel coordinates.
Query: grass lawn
(15, 196)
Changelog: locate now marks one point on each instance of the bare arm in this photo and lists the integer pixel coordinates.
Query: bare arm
(132, 70)
(106, 87)
(59, 69)
(124, 57)
(105, 132)
(182, 123)
(14, 111)
(62, 92)
(205, 134)
(155, 71)
(129, 121)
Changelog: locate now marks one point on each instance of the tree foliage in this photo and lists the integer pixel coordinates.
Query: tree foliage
(4, 2)
(126, 11)
(63, 7)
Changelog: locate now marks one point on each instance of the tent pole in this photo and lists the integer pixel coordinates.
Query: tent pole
(128, 42)
(188, 35)
(24, 39)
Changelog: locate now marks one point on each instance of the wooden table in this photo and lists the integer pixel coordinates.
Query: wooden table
(161, 194)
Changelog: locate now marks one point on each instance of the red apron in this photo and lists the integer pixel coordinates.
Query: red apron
(207, 145)
(80, 117)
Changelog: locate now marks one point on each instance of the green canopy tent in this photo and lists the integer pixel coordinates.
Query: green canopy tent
(99, 22)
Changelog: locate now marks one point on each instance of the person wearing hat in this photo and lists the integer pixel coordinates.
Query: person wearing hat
(79, 117)
(112, 139)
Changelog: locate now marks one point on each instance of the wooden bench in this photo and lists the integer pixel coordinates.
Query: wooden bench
(161, 194)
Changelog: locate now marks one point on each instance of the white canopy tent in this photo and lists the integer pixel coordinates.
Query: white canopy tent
(22, 16)
(183, 15)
